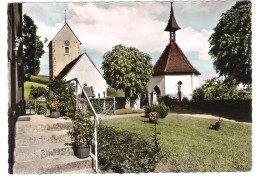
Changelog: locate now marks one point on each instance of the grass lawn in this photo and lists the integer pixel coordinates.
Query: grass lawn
(188, 145)
(27, 88)
(40, 79)
(126, 111)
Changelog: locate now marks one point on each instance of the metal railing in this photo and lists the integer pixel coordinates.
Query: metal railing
(96, 120)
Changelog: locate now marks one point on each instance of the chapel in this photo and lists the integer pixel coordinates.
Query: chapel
(173, 74)
(66, 62)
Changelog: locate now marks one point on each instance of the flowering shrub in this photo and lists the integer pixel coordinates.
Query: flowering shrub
(153, 116)
(125, 152)
(53, 104)
(82, 132)
(161, 109)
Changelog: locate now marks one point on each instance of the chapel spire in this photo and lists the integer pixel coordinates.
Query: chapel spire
(172, 25)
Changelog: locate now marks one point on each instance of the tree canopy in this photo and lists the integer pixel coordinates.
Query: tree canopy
(128, 69)
(230, 44)
(33, 48)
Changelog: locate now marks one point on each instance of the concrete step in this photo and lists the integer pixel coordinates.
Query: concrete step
(37, 152)
(37, 138)
(54, 165)
(28, 127)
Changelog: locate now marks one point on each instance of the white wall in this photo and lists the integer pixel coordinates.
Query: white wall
(160, 82)
(87, 73)
(189, 83)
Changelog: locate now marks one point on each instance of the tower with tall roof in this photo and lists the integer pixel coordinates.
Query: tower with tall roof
(63, 48)
(173, 74)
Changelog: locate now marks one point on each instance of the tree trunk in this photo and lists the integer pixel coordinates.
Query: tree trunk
(127, 98)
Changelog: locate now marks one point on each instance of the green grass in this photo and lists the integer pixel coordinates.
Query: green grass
(40, 79)
(115, 93)
(127, 111)
(27, 88)
(188, 145)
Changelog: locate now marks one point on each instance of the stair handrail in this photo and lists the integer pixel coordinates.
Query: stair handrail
(96, 120)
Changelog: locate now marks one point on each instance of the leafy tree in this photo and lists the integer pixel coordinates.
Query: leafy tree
(64, 94)
(230, 44)
(36, 93)
(128, 69)
(215, 89)
(33, 48)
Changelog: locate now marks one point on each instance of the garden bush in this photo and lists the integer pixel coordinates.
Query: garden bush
(167, 100)
(64, 94)
(125, 152)
(161, 109)
(41, 108)
(97, 105)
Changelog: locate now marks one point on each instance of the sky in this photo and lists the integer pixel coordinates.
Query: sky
(102, 25)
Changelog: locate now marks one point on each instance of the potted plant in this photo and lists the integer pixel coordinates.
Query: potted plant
(153, 117)
(82, 134)
(53, 105)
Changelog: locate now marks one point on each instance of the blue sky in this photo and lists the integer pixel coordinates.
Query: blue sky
(102, 25)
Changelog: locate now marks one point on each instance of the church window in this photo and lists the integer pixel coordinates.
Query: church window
(67, 50)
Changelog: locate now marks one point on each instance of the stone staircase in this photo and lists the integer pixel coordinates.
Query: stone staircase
(43, 147)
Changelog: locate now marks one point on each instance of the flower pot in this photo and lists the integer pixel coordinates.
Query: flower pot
(55, 114)
(81, 151)
(153, 120)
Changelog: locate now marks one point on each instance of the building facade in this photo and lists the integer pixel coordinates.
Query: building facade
(16, 103)
(63, 49)
(173, 74)
(66, 62)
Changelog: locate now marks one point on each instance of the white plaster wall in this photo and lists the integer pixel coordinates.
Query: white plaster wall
(189, 83)
(160, 82)
(87, 73)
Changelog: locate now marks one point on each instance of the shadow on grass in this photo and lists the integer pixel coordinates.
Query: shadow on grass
(237, 116)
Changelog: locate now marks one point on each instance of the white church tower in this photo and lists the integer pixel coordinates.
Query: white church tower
(173, 73)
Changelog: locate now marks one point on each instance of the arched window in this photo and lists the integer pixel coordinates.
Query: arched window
(67, 50)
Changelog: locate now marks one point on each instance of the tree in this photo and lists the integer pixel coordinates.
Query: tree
(128, 69)
(63, 92)
(33, 48)
(230, 44)
(36, 93)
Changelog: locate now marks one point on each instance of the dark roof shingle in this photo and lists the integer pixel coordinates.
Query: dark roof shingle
(67, 68)
(173, 61)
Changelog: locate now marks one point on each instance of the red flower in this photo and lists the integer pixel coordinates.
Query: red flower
(76, 112)
(132, 134)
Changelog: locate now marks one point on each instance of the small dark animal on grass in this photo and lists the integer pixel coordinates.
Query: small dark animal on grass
(216, 126)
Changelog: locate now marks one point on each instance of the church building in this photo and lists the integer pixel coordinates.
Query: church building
(66, 62)
(173, 74)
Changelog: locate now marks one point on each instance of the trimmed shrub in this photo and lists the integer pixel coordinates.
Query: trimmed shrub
(161, 109)
(97, 105)
(125, 152)
(41, 108)
(166, 100)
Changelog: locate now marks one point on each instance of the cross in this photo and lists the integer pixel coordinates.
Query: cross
(65, 15)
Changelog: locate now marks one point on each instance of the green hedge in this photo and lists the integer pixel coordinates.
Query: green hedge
(244, 106)
(125, 152)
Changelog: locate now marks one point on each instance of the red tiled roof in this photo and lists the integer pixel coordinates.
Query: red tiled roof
(173, 61)
(67, 68)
